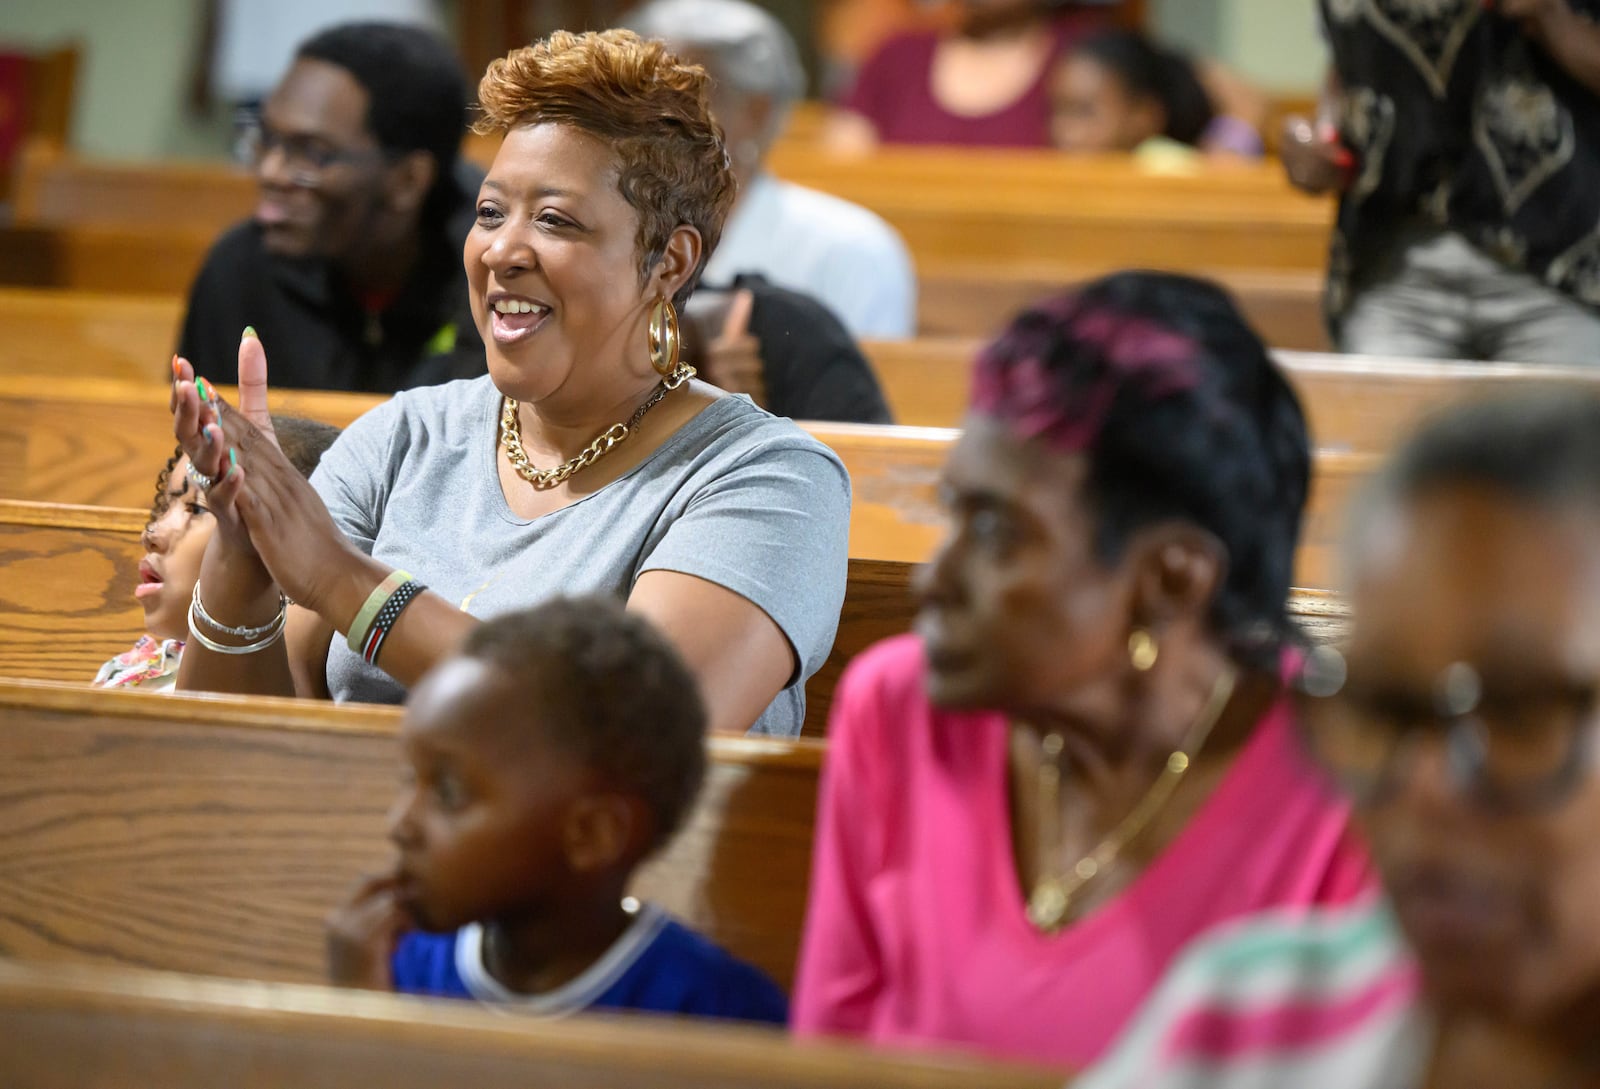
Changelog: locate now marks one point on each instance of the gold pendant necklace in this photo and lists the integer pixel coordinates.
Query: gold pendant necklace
(1050, 903)
(609, 440)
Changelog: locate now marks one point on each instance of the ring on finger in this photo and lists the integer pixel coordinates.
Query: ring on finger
(199, 479)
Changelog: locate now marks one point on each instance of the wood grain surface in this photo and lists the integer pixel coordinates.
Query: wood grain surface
(95, 1028)
(213, 834)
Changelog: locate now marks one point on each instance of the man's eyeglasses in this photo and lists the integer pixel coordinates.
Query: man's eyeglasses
(306, 159)
(1519, 747)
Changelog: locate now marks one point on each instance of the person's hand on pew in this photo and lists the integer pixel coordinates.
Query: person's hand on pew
(362, 933)
(1314, 158)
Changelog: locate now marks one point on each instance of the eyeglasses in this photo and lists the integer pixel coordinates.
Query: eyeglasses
(306, 159)
(1515, 748)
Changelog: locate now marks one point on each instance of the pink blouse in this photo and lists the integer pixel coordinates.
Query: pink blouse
(894, 90)
(916, 932)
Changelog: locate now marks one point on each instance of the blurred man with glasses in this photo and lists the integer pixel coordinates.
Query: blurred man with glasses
(350, 268)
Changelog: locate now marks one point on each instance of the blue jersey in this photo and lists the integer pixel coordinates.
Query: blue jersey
(657, 965)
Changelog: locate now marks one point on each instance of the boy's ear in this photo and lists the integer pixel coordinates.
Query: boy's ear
(604, 831)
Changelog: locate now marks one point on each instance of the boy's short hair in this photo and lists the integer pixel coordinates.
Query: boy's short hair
(303, 441)
(613, 692)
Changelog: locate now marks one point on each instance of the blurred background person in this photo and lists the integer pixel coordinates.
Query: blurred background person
(350, 268)
(1086, 754)
(1118, 91)
(839, 253)
(985, 82)
(783, 350)
(1465, 147)
(1462, 716)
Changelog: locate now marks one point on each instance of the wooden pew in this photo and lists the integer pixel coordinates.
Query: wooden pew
(212, 834)
(77, 1027)
(1029, 208)
(100, 442)
(966, 299)
(1360, 404)
(894, 471)
(67, 575)
(48, 334)
(66, 599)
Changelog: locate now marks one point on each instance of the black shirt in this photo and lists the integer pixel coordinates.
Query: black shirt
(1459, 119)
(812, 367)
(317, 334)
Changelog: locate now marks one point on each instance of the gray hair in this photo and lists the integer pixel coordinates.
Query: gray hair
(746, 48)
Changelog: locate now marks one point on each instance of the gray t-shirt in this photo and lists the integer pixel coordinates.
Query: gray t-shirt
(738, 497)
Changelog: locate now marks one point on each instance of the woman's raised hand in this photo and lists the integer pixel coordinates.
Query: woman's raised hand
(262, 503)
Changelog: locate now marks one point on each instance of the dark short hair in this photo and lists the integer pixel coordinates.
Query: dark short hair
(417, 94)
(1161, 384)
(1540, 447)
(612, 692)
(1151, 71)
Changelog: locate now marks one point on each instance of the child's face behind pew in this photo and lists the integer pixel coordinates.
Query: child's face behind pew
(494, 823)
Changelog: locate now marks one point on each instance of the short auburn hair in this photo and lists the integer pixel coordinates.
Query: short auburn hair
(651, 107)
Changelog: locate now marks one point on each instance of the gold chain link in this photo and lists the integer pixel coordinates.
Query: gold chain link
(609, 440)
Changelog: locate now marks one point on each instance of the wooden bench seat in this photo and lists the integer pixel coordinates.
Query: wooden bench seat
(212, 834)
(66, 599)
(67, 575)
(80, 1027)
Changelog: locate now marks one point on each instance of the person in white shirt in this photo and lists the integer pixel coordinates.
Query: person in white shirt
(839, 253)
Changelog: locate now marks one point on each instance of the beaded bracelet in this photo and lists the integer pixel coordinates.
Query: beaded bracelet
(360, 627)
(197, 608)
(386, 617)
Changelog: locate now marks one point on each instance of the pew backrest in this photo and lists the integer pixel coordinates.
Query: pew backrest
(212, 834)
(72, 1027)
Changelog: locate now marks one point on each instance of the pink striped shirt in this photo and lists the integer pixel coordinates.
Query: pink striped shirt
(917, 934)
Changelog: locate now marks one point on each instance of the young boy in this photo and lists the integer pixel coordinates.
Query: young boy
(560, 748)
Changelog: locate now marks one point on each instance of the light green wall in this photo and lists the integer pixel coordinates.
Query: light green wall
(138, 55)
(133, 75)
(1273, 43)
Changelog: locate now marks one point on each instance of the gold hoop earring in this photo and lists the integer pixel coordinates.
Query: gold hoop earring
(1143, 650)
(664, 337)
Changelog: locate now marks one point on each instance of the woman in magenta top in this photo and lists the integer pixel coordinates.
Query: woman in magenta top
(986, 85)
(1084, 758)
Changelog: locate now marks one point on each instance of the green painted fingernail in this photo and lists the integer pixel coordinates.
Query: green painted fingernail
(200, 385)
(233, 460)
(250, 331)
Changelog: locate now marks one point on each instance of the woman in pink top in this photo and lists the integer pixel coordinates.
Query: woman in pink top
(985, 85)
(1084, 758)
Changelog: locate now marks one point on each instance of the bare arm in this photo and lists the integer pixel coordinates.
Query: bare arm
(1572, 40)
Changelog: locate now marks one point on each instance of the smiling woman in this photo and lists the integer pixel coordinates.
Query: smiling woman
(587, 460)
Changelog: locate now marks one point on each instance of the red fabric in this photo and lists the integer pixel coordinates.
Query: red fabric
(13, 106)
(894, 91)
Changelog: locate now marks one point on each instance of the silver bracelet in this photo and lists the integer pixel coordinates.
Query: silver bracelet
(224, 648)
(248, 648)
(247, 634)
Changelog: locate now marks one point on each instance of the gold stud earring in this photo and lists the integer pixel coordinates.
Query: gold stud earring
(1143, 650)
(664, 337)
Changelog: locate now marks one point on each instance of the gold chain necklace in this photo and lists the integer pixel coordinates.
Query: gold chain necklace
(609, 440)
(1051, 899)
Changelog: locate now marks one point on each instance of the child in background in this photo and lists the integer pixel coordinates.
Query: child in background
(175, 542)
(1120, 92)
(546, 761)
